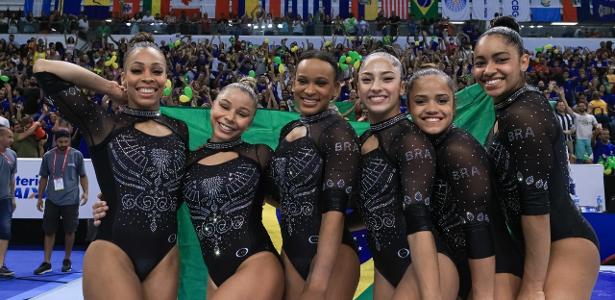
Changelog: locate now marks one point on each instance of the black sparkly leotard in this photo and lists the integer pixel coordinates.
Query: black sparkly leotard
(226, 203)
(313, 175)
(396, 183)
(138, 174)
(531, 167)
(460, 199)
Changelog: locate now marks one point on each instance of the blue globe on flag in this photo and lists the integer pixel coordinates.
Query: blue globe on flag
(424, 3)
(455, 5)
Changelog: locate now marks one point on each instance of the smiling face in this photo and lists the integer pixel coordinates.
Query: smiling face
(144, 78)
(231, 114)
(314, 86)
(498, 66)
(431, 104)
(380, 87)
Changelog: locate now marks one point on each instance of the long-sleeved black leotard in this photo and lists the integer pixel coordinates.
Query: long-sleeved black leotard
(396, 184)
(461, 197)
(139, 174)
(531, 167)
(226, 202)
(313, 175)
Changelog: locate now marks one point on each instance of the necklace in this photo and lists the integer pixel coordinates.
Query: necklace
(140, 112)
(317, 117)
(222, 145)
(387, 123)
(514, 96)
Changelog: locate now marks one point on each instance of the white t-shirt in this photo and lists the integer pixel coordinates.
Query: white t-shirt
(585, 125)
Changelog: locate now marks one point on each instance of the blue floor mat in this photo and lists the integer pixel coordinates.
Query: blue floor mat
(25, 283)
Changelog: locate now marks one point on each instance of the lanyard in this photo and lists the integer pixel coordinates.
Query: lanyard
(8, 159)
(53, 166)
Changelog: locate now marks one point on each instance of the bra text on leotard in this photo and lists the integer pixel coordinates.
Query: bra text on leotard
(519, 134)
(346, 146)
(418, 154)
(465, 173)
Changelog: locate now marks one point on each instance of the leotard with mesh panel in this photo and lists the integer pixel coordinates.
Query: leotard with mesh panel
(531, 167)
(396, 184)
(313, 175)
(226, 203)
(460, 200)
(138, 174)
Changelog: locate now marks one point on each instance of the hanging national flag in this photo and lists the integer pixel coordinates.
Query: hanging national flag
(546, 10)
(302, 8)
(209, 8)
(126, 7)
(275, 8)
(344, 9)
(97, 3)
(570, 11)
(424, 9)
(358, 9)
(97, 9)
(71, 7)
(250, 6)
(457, 10)
(371, 10)
(399, 7)
(222, 9)
(154, 7)
(326, 6)
(34, 7)
(189, 7)
(485, 9)
(519, 9)
(603, 10)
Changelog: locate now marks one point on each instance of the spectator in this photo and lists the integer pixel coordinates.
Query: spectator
(603, 147)
(83, 23)
(8, 168)
(599, 108)
(65, 166)
(26, 143)
(584, 125)
(566, 120)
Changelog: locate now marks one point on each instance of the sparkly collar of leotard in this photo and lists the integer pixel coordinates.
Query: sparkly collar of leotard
(317, 117)
(512, 98)
(222, 145)
(388, 123)
(141, 113)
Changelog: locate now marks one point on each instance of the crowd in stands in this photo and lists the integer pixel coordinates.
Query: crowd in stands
(577, 76)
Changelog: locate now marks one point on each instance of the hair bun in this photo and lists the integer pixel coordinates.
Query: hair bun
(505, 21)
(142, 37)
(248, 81)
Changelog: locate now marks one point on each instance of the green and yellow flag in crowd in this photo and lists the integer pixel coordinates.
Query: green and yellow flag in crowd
(156, 7)
(474, 113)
(97, 2)
(424, 9)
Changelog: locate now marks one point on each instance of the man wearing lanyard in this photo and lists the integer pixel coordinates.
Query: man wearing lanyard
(61, 173)
(8, 168)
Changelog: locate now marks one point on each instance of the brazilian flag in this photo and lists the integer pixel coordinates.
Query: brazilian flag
(474, 112)
(424, 9)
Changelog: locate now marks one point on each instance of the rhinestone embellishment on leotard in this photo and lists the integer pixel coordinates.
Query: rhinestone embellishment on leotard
(223, 145)
(514, 96)
(141, 113)
(317, 117)
(388, 123)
